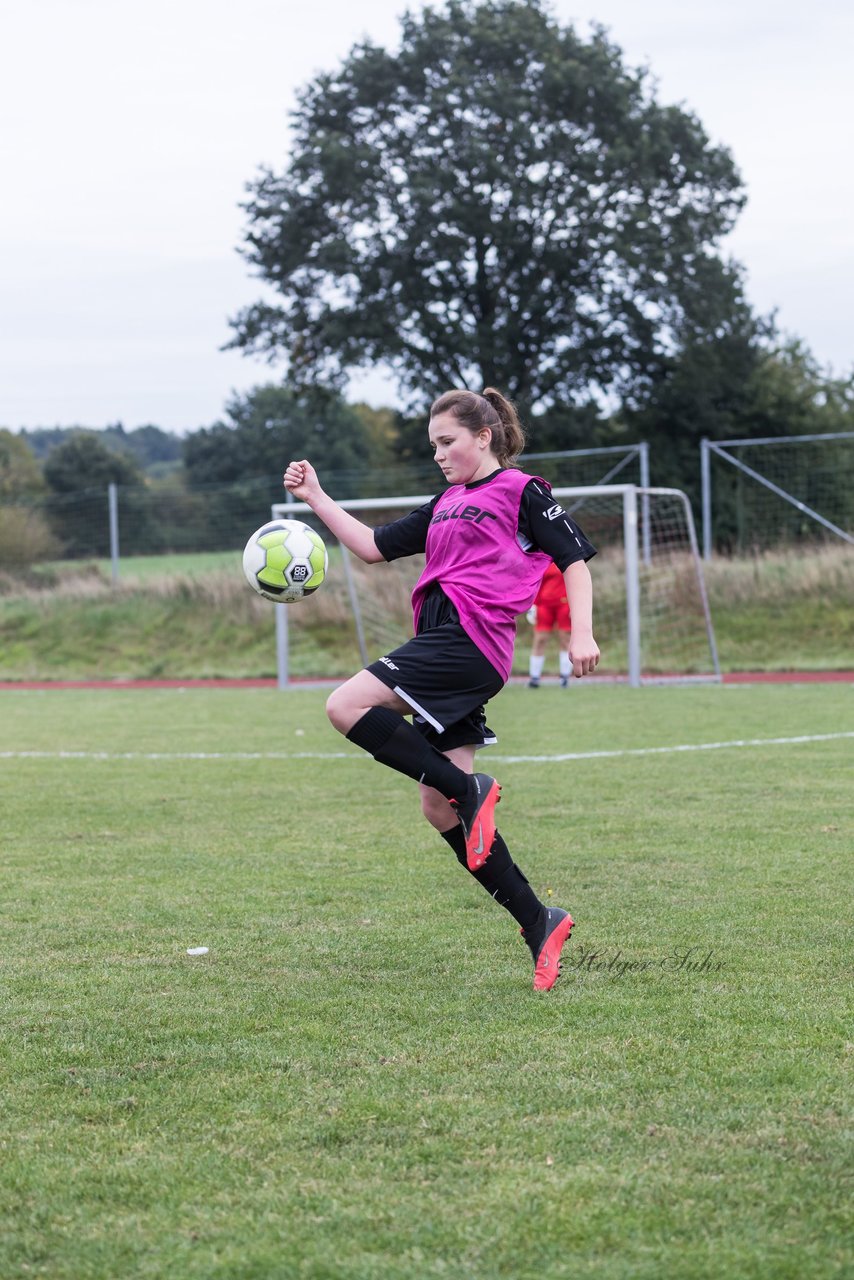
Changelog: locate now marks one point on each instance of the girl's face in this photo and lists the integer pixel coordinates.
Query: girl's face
(461, 455)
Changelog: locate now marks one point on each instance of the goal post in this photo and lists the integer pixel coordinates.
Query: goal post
(651, 608)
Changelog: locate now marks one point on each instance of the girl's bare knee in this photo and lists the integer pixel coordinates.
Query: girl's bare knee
(340, 711)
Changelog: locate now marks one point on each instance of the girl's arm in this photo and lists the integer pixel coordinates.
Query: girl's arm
(583, 649)
(301, 480)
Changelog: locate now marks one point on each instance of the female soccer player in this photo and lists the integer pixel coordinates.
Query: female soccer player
(488, 538)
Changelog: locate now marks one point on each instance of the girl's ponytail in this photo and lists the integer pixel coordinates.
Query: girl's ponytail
(514, 436)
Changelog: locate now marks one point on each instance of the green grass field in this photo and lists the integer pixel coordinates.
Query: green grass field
(357, 1080)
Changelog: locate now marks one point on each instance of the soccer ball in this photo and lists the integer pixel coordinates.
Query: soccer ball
(285, 561)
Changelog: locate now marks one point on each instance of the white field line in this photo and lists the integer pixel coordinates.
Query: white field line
(351, 755)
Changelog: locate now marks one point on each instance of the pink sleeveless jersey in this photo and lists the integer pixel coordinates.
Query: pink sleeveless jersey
(474, 554)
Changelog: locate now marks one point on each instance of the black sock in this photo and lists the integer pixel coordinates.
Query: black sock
(395, 742)
(502, 879)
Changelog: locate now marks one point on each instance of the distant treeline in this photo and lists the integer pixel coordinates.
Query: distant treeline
(150, 447)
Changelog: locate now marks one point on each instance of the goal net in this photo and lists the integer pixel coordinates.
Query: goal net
(651, 611)
(778, 490)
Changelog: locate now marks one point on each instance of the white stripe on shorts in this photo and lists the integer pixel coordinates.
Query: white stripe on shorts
(401, 693)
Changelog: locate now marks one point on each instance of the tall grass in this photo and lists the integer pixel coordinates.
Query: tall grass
(818, 574)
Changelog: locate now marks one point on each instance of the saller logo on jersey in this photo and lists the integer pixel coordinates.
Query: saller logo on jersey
(463, 512)
(553, 512)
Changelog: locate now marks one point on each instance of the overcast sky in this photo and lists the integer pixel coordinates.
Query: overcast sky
(129, 131)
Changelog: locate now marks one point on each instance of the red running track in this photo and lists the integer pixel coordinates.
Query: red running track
(732, 677)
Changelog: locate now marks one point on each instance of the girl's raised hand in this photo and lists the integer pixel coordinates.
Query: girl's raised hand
(300, 479)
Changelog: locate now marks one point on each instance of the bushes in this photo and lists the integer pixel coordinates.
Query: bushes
(25, 538)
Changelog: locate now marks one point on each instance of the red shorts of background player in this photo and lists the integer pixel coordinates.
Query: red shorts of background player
(551, 602)
(550, 616)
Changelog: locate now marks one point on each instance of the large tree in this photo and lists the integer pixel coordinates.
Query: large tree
(84, 462)
(268, 426)
(499, 201)
(20, 474)
(237, 465)
(78, 472)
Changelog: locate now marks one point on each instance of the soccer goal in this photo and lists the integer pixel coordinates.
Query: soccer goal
(777, 490)
(651, 611)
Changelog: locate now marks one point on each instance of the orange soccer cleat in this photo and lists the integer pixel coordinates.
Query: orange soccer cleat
(477, 818)
(558, 926)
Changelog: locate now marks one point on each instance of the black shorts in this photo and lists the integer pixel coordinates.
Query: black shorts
(446, 680)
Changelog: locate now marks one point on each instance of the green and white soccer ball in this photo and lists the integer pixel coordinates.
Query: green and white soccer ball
(285, 561)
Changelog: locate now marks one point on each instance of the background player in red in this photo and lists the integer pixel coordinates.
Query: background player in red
(551, 613)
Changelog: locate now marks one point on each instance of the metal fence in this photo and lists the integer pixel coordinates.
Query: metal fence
(109, 524)
(778, 489)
